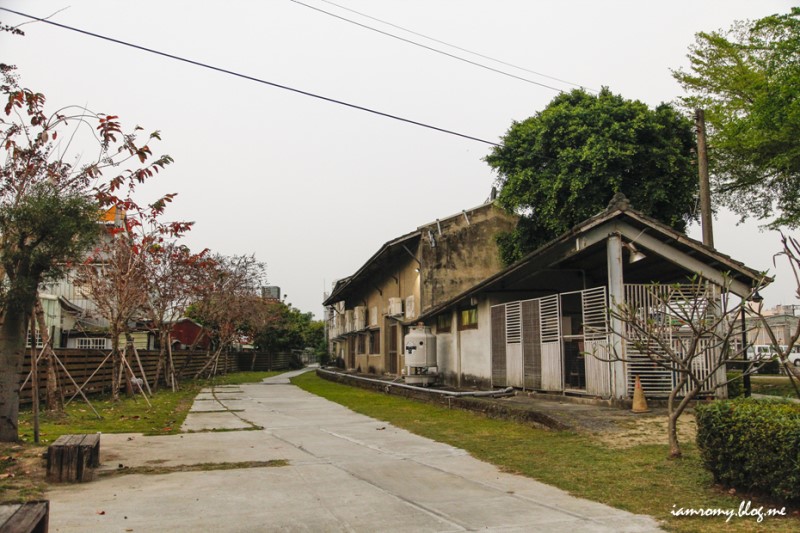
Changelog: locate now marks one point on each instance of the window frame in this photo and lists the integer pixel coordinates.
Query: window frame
(444, 323)
(473, 314)
(361, 344)
(374, 342)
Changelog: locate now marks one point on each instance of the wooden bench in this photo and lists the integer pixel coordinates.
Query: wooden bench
(73, 458)
(30, 517)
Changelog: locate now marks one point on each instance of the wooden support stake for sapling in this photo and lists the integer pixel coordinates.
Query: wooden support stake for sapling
(139, 363)
(96, 370)
(128, 365)
(76, 385)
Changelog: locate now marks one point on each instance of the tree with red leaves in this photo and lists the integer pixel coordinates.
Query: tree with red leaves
(230, 304)
(173, 277)
(49, 207)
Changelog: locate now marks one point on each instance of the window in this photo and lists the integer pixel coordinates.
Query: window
(375, 342)
(96, 343)
(468, 318)
(362, 344)
(39, 342)
(444, 323)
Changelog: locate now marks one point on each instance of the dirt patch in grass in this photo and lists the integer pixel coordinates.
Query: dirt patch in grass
(647, 430)
(201, 467)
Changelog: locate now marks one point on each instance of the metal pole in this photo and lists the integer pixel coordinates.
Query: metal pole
(746, 377)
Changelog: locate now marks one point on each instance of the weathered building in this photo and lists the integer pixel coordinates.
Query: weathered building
(534, 324)
(369, 311)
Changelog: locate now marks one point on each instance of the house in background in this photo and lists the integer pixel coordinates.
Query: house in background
(187, 333)
(369, 311)
(74, 324)
(74, 321)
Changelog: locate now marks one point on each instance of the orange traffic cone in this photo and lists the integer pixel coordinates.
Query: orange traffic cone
(639, 401)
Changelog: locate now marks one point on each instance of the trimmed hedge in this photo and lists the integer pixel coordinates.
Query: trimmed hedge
(752, 445)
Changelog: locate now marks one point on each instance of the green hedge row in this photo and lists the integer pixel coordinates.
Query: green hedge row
(752, 445)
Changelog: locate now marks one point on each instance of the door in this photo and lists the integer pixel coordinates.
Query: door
(514, 364)
(391, 362)
(595, 332)
(550, 328)
(499, 345)
(531, 345)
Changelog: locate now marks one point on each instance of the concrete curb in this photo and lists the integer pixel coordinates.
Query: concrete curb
(491, 408)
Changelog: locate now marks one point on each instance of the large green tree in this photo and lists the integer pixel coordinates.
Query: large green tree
(748, 81)
(285, 328)
(565, 163)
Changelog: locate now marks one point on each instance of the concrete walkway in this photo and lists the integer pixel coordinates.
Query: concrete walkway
(341, 471)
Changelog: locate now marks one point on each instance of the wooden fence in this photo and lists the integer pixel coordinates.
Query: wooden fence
(81, 364)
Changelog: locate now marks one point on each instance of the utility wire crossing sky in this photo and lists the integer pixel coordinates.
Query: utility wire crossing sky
(314, 189)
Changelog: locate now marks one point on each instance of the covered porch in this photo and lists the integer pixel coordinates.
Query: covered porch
(550, 323)
(564, 343)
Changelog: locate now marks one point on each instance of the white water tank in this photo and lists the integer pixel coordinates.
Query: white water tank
(420, 347)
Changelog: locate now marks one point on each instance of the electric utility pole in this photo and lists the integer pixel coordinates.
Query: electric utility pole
(705, 187)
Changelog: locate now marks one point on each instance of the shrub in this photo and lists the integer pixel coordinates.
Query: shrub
(752, 445)
(772, 368)
(735, 385)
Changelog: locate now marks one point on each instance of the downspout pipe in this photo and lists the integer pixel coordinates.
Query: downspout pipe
(508, 391)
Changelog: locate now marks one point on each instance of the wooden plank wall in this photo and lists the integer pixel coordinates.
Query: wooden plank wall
(82, 363)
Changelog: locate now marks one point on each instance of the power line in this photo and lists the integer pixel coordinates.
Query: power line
(252, 78)
(500, 61)
(409, 41)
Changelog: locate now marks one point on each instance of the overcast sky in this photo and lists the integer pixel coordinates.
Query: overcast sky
(314, 188)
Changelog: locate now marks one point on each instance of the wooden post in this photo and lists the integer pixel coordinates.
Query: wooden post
(170, 362)
(131, 375)
(34, 380)
(141, 369)
(616, 296)
(705, 187)
(73, 458)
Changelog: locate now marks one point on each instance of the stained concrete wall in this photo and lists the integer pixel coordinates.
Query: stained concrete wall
(461, 253)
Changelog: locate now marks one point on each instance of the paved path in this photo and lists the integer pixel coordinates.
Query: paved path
(343, 472)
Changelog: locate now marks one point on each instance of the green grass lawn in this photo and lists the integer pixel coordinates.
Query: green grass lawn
(640, 479)
(772, 386)
(21, 465)
(129, 415)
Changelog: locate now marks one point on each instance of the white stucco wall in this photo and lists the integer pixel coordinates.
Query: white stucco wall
(474, 346)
